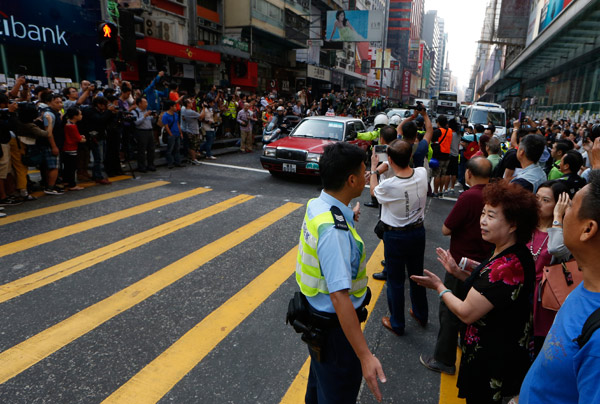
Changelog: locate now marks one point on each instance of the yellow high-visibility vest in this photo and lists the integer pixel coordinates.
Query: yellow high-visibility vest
(308, 269)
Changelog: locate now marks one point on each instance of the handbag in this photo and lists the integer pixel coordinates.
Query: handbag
(557, 282)
(379, 229)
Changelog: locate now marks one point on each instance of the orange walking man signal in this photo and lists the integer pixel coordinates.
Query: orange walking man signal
(107, 31)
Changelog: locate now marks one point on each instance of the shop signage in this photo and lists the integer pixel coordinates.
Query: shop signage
(69, 25)
(318, 73)
(16, 29)
(420, 64)
(285, 85)
(314, 42)
(235, 43)
(405, 82)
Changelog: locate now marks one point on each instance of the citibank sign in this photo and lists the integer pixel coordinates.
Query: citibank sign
(11, 28)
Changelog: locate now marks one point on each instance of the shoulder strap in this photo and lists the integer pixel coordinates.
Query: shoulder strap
(338, 219)
(591, 325)
(445, 134)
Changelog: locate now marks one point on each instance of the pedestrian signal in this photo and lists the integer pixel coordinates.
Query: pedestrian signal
(108, 40)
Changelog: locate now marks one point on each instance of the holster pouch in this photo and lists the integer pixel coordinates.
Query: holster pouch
(314, 324)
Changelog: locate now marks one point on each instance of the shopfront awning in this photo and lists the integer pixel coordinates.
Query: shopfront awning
(159, 46)
(574, 35)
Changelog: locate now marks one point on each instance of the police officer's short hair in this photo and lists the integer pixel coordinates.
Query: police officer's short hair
(339, 161)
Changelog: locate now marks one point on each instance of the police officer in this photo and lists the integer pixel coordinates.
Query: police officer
(380, 121)
(331, 273)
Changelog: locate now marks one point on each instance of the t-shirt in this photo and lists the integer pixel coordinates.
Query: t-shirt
(463, 221)
(563, 373)
(494, 159)
(403, 200)
(171, 121)
(420, 153)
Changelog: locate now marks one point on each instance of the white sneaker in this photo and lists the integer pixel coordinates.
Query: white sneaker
(2, 214)
(1, 207)
(196, 162)
(211, 158)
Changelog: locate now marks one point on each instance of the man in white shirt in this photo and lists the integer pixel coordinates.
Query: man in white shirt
(403, 198)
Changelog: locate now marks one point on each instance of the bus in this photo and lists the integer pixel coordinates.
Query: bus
(446, 104)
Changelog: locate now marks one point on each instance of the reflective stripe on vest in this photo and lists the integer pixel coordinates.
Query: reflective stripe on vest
(308, 269)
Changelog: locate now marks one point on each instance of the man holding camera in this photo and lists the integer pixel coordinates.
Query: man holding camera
(403, 198)
(144, 135)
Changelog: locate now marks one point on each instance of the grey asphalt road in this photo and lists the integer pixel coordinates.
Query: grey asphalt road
(254, 361)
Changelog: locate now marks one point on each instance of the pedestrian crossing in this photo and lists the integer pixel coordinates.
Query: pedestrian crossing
(189, 347)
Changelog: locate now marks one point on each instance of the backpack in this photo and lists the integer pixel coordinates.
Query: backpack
(589, 327)
(501, 166)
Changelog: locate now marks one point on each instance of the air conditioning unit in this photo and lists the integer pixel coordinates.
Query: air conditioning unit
(151, 28)
(165, 32)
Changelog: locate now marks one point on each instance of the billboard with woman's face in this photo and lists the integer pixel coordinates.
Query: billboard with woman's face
(354, 26)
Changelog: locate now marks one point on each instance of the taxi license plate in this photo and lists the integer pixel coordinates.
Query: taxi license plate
(289, 168)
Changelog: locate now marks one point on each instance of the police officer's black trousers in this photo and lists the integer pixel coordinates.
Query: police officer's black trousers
(337, 378)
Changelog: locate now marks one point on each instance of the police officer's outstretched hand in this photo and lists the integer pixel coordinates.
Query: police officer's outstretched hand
(372, 370)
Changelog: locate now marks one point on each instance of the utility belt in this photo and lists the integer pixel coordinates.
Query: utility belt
(408, 227)
(314, 325)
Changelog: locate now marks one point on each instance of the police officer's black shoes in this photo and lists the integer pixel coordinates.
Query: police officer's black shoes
(380, 276)
(372, 204)
(431, 364)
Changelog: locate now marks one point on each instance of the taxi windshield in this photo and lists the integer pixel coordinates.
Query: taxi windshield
(320, 129)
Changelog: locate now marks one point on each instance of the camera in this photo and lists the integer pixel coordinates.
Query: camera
(419, 107)
(21, 70)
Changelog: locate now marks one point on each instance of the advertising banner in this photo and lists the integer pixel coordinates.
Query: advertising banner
(420, 63)
(354, 26)
(551, 10)
(387, 58)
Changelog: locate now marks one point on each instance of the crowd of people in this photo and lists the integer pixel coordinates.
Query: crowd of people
(88, 132)
(527, 207)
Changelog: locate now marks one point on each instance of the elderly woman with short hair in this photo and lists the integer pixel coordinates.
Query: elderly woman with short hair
(497, 309)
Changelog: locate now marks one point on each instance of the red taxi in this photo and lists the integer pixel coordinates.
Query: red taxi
(300, 152)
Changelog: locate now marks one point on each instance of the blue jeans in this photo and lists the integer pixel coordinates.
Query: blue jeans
(207, 145)
(173, 145)
(404, 251)
(337, 378)
(98, 152)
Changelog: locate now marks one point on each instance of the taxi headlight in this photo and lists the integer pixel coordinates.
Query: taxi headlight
(269, 152)
(313, 157)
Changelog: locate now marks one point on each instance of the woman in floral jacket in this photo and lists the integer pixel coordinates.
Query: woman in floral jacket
(498, 308)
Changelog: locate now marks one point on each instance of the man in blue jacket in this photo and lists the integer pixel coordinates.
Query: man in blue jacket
(153, 95)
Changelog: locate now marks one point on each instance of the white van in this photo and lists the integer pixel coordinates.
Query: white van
(484, 112)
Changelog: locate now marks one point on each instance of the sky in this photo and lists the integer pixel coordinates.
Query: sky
(463, 21)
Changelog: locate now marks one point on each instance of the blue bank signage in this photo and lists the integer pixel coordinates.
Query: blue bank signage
(50, 24)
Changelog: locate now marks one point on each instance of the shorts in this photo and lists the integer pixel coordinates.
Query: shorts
(193, 140)
(441, 170)
(453, 166)
(5, 166)
(49, 160)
